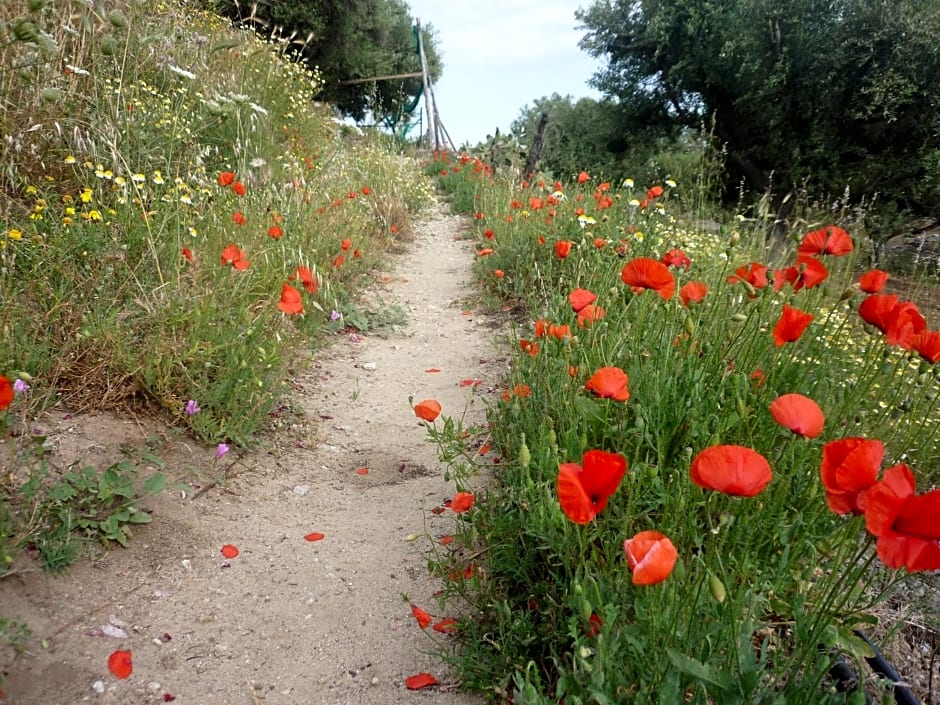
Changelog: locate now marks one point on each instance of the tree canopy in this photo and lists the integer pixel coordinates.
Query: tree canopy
(348, 40)
(831, 94)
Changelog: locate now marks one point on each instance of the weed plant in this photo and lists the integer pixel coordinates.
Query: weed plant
(691, 442)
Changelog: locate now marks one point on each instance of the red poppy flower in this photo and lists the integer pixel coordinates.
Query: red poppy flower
(654, 192)
(559, 332)
(799, 414)
(600, 243)
(790, 325)
(520, 390)
(899, 321)
(529, 347)
(873, 281)
(753, 275)
(232, 255)
(187, 254)
(6, 392)
(830, 240)
(275, 232)
(927, 345)
(462, 501)
(646, 273)
(489, 234)
(540, 328)
(676, 258)
(339, 261)
(499, 273)
(419, 681)
(314, 536)
(594, 625)
(120, 664)
(579, 298)
(346, 244)
(849, 466)
(226, 178)
(307, 278)
(290, 302)
(429, 409)
(563, 248)
(366, 190)
(651, 557)
(692, 292)
(583, 490)
(535, 203)
(734, 470)
(421, 616)
(583, 176)
(448, 625)
(905, 523)
(589, 314)
(238, 218)
(239, 188)
(609, 383)
(485, 251)
(809, 272)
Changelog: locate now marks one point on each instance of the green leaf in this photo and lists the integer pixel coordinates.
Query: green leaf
(850, 643)
(154, 484)
(153, 459)
(697, 669)
(140, 518)
(588, 408)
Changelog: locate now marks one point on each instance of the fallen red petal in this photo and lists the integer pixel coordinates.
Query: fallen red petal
(229, 551)
(419, 681)
(423, 618)
(362, 471)
(446, 626)
(432, 370)
(315, 536)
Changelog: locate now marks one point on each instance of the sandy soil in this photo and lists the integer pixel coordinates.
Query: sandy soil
(287, 621)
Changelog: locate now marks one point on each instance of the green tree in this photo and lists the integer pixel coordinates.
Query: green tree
(348, 40)
(831, 94)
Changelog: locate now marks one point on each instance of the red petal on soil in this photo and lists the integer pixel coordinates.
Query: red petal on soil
(315, 536)
(446, 626)
(446, 540)
(119, 663)
(470, 382)
(362, 471)
(437, 510)
(423, 618)
(432, 370)
(419, 681)
(229, 551)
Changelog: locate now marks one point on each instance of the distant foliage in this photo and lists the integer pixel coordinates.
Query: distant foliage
(347, 40)
(832, 95)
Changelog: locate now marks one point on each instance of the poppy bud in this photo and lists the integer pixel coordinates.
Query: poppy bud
(716, 588)
(742, 408)
(848, 294)
(689, 326)
(524, 456)
(586, 610)
(735, 239)
(739, 318)
(551, 437)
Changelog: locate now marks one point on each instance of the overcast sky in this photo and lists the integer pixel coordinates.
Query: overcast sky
(501, 55)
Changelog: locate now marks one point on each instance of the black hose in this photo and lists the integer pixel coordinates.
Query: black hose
(878, 663)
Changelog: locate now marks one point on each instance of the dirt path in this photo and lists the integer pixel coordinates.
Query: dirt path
(287, 621)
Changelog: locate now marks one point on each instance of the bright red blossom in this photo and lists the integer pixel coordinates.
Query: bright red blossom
(583, 490)
(232, 255)
(905, 523)
(734, 470)
(6, 392)
(676, 258)
(693, 292)
(421, 616)
(429, 409)
(419, 681)
(651, 557)
(462, 501)
(927, 345)
(589, 314)
(646, 273)
(579, 298)
(849, 466)
(873, 281)
(290, 302)
(830, 240)
(790, 325)
(753, 274)
(226, 178)
(563, 248)
(799, 414)
(609, 383)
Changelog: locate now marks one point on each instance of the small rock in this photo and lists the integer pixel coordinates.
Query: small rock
(301, 490)
(369, 366)
(186, 564)
(375, 680)
(98, 687)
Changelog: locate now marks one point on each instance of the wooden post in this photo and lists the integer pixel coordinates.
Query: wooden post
(431, 133)
(536, 150)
